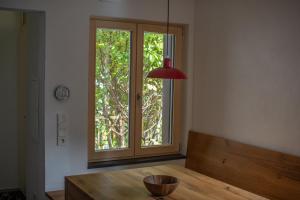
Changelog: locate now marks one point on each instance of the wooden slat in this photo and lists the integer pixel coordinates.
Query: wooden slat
(56, 195)
(268, 173)
(128, 185)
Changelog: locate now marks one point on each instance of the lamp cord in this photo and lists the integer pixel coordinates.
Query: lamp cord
(168, 24)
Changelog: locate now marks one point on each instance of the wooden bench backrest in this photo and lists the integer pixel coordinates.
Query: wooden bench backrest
(268, 173)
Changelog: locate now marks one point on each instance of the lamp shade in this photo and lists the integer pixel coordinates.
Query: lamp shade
(166, 72)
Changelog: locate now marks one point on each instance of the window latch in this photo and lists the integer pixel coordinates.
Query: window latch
(138, 97)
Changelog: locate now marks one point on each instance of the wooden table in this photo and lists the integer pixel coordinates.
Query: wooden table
(128, 184)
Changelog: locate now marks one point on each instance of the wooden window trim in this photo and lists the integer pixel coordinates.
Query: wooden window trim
(137, 28)
(114, 154)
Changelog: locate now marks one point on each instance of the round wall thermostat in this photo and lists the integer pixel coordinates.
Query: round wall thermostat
(62, 93)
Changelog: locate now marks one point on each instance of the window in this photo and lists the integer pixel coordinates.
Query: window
(129, 115)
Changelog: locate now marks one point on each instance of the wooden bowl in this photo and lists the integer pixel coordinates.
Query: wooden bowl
(161, 185)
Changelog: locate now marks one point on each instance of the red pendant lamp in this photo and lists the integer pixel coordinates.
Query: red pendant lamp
(167, 71)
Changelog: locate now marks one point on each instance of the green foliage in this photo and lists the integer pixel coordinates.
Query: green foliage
(112, 89)
(152, 90)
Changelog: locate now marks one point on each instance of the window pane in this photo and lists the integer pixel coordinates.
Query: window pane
(112, 89)
(157, 93)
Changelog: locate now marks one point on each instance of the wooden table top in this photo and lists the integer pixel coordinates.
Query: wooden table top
(128, 184)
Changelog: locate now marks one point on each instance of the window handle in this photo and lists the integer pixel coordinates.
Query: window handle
(138, 97)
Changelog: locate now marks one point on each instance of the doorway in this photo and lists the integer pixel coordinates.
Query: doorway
(22, 50)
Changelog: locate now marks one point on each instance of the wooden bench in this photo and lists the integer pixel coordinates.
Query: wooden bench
(56, 195)
(271, 174)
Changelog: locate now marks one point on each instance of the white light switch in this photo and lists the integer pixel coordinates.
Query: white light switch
(62, 128)
(61, 124)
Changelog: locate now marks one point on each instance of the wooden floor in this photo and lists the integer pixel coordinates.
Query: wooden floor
(56, 195)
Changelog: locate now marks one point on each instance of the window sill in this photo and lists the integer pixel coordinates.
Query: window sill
(131, 161)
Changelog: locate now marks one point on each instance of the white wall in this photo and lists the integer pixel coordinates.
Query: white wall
(9, 29)
(67, 46)
(247, 69)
